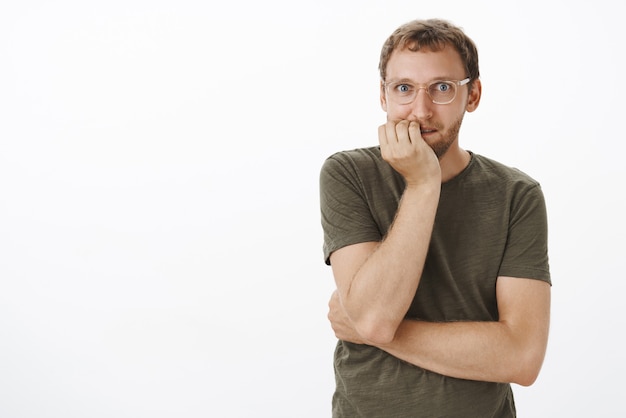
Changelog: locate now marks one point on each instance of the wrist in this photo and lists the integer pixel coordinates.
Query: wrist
(423, 187)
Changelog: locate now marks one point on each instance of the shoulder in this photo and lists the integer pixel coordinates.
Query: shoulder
(356, 157)
(361, 170)
(496, 173)
(362, 163)
(494, 183)
(509, 186)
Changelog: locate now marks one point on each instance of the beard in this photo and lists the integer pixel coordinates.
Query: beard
(442, 146)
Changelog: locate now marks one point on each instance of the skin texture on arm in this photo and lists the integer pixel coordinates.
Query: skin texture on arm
(377, 281)
(509, 350)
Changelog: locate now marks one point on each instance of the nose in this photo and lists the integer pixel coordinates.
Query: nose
(422, 106)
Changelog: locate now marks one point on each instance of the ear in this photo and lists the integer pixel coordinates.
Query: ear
(474, 96)
(383, 96)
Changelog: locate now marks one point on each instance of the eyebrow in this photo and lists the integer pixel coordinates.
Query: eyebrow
(408, 80)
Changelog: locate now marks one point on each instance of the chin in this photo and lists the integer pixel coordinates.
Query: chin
(441, 148)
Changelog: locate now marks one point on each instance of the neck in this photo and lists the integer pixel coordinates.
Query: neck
(453, 162)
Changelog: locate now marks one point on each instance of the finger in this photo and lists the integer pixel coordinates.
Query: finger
(414, 131)
(390, 131)
(402, 131)
(382, 135)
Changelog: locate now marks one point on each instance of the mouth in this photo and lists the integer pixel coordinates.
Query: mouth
(427, 131)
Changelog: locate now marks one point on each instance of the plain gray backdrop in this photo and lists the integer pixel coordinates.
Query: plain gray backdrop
(160, 244)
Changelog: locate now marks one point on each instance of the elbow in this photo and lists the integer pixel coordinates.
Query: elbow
(377, 332)
(528, 370)
(526, 379)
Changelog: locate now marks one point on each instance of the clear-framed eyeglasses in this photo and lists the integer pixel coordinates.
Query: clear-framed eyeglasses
(441, 91)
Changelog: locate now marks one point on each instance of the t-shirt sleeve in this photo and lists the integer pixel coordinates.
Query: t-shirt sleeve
(345, 214)
(526, 253)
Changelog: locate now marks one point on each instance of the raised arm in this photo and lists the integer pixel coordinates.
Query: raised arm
(377, 281)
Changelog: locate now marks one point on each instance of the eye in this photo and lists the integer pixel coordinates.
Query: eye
(403, 88)
(442, 86)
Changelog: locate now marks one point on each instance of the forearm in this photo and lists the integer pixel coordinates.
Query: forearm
(485, 351)
(380, 293)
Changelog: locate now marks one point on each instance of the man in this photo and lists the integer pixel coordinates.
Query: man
(439, 254)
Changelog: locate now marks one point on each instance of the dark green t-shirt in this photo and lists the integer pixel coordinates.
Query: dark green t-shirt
(491, 221)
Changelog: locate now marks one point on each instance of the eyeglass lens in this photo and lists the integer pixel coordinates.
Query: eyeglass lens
(441, 92)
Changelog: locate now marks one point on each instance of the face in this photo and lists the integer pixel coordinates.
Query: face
(440, 124)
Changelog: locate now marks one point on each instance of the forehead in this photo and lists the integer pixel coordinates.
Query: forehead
(425, 65)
